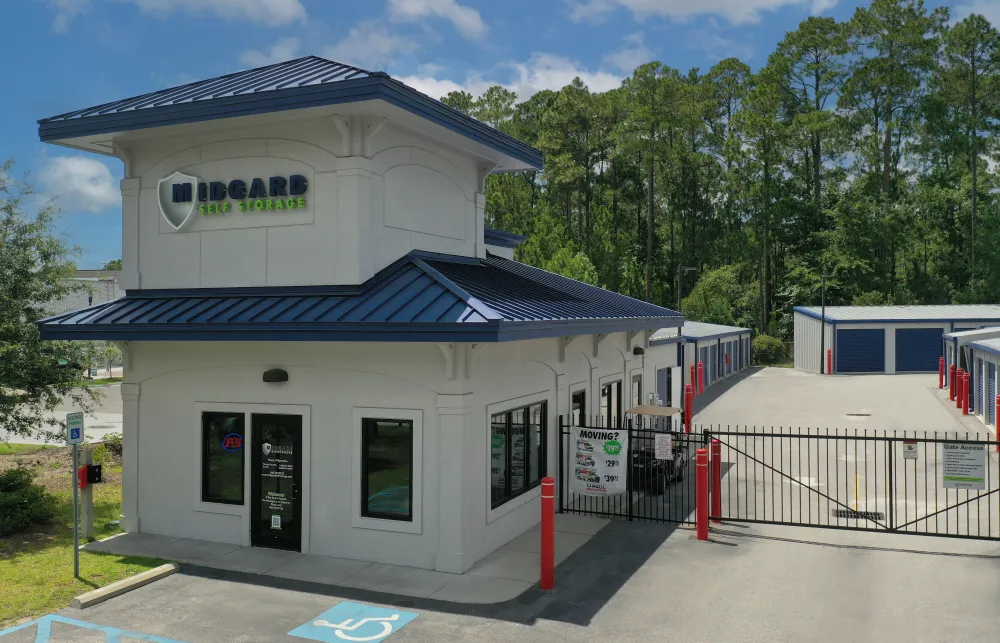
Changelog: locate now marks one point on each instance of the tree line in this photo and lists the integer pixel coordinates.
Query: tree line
(862, 151)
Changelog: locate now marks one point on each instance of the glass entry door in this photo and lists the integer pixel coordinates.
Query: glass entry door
(276, 477)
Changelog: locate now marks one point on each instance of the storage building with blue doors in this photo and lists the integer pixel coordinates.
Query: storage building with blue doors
(956, 346)
(723, 350)
(984, 356)
(882, 339)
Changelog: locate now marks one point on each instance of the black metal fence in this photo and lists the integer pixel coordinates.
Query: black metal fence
(906, 482)
(649, 488)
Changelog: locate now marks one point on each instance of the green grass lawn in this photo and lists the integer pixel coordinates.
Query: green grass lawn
(36, 568)
(21, 449)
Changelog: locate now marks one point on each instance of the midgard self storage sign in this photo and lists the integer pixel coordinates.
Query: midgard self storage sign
(598, 464)
(964, 465)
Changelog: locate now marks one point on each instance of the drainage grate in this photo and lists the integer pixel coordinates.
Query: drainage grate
(859, 415)
(859, 515)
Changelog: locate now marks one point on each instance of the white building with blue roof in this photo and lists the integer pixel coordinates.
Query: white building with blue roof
(326, 350)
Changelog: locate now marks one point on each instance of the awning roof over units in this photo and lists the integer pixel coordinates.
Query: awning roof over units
(421, 297)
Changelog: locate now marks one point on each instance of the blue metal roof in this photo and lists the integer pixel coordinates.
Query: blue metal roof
(503, 239)
(295, 84)
(421, 297)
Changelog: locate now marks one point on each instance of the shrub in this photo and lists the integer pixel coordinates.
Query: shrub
(768, 350)
(23, 503)
(113, 443)
(101, 454)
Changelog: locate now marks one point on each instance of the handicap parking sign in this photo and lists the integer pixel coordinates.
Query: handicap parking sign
(348, 621)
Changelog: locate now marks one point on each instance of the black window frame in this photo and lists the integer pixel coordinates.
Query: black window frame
(541, 455)
(377, 515)
(582, 394)
(614, 419)
(206, 452)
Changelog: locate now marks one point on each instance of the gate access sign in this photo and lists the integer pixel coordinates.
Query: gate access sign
(598, 464)
(964, 465)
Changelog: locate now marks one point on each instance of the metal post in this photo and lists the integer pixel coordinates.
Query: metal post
(829, 361)
(940, 373)
(76, 514)
(965, 393)
(688, 407)
(822, 326)
(701, 493)
(562, 465)
(87, 499)
(694, 379)
(952, 369)
(548, 556)
(892, 492)
(629, 481)
(701, 377)
(996, 421)
(716, 480)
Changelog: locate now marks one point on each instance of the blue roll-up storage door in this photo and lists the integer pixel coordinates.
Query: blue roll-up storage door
(991, 402)
(703, 358)
(861, 350)
(979, 385)
(918, 349)
(713, 357)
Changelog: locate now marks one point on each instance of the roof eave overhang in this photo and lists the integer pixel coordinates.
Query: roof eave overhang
(479, 332)
(376, 87)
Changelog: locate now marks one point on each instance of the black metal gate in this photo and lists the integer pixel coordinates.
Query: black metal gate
(910, 482)
(655, 489)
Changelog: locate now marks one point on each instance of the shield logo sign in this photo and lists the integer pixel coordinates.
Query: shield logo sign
(178, 199)
(266, 447)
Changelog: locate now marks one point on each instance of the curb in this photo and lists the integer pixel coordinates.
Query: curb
(125, 585)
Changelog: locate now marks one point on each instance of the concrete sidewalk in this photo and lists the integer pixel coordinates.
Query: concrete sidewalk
(501, 576)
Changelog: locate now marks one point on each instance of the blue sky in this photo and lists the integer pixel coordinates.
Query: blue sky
(62, 55)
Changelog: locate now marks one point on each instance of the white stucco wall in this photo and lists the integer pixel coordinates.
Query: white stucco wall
(364, 208)
(453, 388)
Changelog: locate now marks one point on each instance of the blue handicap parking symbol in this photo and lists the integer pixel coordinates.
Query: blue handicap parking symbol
(43, 630)
(348, 621)
(74, 433)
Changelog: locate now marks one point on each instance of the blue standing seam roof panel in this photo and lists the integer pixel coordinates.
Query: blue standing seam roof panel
(918, 350)
(421, 297)
(309, 81)
(860, 350)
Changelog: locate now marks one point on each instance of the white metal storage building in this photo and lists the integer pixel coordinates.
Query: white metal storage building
(956, 346)
(882, 339)
(723, 349)
(984, 355)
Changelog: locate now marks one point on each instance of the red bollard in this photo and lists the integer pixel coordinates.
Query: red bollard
(965, 393)
(716, 481)
(829, 361)
(688, 407)
(959, 381)
(701, 493)
(941, 373)
(694, 380)
(951, 381)
(548, 576)
(701, 377)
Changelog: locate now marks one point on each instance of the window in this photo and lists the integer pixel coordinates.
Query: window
(517, 451)
(636, 390)
(611, 404)
(222, 457)
(578, 407)
(387, 469)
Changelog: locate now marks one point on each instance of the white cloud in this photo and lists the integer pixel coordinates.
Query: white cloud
(371, 46)
(735, 11)
(66, 10)
(990, 9)
(80, 183)
(282, 50)
(819, 6)
(271, 13)
(630, 55)
(541, 71)
(716, 46)
(466, 19)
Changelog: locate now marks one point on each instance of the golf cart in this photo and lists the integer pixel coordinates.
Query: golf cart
(648, 472)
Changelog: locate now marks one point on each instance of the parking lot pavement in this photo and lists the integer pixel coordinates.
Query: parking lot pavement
(790, 398)
(634, 582)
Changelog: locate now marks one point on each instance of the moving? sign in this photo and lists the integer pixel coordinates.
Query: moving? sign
(598, 465)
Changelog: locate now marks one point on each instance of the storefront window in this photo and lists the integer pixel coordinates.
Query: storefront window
(636, 390)
(387, 469)
(611, 404)
(579, 408)
(222, 457)
(517, 451)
